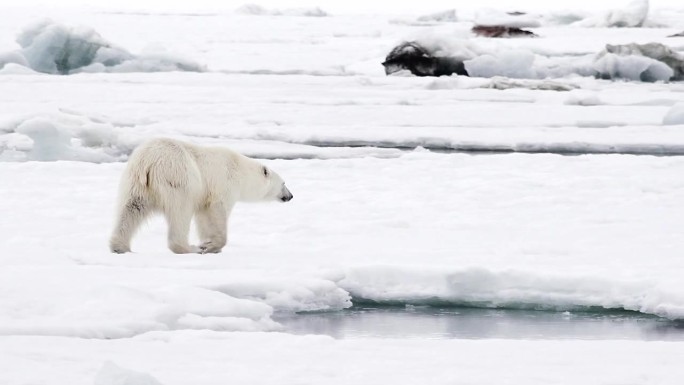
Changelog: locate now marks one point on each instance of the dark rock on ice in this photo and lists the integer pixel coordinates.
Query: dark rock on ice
(501, 31)
(417, 59)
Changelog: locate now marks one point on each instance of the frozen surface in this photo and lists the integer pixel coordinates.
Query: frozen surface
(387, 210)
(471, 230)
(111, 374)
(217, 358)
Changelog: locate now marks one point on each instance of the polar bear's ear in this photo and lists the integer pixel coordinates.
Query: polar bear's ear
(266, 172)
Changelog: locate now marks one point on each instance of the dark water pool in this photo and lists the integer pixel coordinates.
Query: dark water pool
(473, 323)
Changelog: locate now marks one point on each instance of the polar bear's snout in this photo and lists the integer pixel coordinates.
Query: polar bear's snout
(285, 195)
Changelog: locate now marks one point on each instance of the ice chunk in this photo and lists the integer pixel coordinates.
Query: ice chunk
(112, 374)
(646, 62)
(512, 63)
(55, 48)
(612, 66)
(675, 115)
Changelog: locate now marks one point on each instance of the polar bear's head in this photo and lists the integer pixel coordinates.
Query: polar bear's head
(262, 184)
(275, 186)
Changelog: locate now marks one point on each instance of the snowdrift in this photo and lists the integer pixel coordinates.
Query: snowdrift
(54, 48)
(258, 10)
(675, 115)
(633, 15)
(66, 135)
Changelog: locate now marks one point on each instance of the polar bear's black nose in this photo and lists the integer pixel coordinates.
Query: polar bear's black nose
(285, 194)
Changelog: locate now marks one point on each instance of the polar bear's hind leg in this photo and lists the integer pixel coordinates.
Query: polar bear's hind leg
(132, 214)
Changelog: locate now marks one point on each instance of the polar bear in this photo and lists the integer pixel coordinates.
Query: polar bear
(182, 180)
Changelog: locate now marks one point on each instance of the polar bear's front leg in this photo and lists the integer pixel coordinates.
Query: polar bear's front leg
(212, 226)
(178, 219)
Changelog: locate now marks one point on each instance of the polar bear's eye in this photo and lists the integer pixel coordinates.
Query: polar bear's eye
(265, 171)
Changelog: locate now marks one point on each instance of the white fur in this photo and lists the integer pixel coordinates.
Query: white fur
(182, 180)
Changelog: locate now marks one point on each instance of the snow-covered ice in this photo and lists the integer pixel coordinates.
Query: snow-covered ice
(421, 191)
(112, 374)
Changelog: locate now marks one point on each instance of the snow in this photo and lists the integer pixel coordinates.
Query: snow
(449, 15)
(494, 17)
(112, 374)
(217, 358)
(632, 15)
(257, 10)
(450, 191)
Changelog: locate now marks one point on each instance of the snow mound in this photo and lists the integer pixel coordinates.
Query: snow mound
(54, 48)
(480, 287)
(112, 374)
(65, 135)
(258, 10)
(440, 17)
(17, 69)
(633, 15)
(563, 17)
(640, 68)
(583, 99)
(502, 83)
(675, 115)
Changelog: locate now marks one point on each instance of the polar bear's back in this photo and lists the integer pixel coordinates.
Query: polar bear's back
(160, 170)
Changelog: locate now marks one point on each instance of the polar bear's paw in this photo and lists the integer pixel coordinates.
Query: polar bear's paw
(210, 247)
(118, 247)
